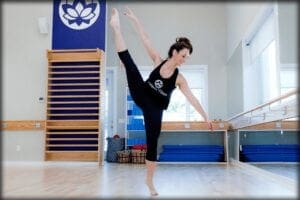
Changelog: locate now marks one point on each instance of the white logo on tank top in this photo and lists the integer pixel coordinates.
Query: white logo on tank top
(158, 84)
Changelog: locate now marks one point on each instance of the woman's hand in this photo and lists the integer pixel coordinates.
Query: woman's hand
(130, 14)
(209, 124)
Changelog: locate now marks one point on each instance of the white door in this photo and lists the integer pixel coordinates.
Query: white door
(110, 96)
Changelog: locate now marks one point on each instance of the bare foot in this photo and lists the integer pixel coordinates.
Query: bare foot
(114, 19)
(151, 188)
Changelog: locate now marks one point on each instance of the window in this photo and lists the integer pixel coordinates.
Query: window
(179, 108)
(262, 74)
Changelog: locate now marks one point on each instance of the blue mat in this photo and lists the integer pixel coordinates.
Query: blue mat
(270, 153)
(192, 153)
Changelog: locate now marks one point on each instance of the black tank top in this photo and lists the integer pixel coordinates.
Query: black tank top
(161, 88)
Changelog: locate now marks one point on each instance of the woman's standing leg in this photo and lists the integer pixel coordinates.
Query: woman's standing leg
(152, 118)
(151, 166)
(135, 83)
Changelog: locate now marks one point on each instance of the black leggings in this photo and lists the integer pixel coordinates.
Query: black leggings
(151, 111)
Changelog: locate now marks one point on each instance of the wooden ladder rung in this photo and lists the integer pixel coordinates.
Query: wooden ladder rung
(75, 133)
(72, 139)
(71, 96)
(76, 114)
(72, 127)
(71, 145)
(73, 66)
(71, 72)
(56, 151)
(68, 120)
(75, 78)
(73, 84)
(74, 90)
(74, 108)
(73, 102)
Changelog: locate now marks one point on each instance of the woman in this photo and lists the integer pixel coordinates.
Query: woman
(153, 95)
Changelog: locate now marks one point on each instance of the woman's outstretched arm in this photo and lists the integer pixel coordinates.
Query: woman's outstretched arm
(154, 55)
(118, 37)
(184, 88)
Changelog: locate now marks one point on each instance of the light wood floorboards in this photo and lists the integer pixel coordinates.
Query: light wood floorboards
(112, 180)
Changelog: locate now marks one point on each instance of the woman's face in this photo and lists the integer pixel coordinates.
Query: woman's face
(181, 56)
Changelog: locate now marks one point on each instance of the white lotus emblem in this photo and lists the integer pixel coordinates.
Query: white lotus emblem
(79, 14)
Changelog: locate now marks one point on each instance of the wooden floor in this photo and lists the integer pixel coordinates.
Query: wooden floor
(112, 180)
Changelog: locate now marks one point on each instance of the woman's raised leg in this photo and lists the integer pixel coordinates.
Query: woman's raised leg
(115, 24)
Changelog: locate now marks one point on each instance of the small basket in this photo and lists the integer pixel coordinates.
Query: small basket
(123, 156)
(138, 156)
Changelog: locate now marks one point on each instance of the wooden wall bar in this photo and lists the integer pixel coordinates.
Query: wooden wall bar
(193, 126)
(23, 125)
(73, 130)
(277, 125)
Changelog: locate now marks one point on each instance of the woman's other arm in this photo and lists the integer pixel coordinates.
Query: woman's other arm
(154, 55)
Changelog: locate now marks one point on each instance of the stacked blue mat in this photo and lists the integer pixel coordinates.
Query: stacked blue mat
(192, 153)
(270, 153)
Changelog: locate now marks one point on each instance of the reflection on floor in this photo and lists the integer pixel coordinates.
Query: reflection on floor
(289, 170)
(112, 180)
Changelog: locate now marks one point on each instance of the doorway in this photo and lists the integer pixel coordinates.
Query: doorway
(110, 105)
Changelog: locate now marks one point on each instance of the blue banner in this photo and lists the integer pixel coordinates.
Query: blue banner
(78, 24)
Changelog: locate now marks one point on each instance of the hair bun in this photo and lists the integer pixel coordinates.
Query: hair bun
(183, 39)
(181, 43)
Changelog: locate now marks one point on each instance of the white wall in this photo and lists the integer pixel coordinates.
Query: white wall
(288, 32)
(24, 60)
(24, 73)
(235, 100)
(240, 17)
(23, 145)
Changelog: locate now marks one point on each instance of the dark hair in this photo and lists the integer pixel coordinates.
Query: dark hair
(181, 43)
